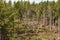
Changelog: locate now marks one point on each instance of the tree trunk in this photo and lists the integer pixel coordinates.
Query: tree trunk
(44, 17)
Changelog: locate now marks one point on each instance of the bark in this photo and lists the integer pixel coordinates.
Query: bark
(44, 17)
(50, 17)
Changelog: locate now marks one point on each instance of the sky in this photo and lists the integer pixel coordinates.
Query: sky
(31, 1)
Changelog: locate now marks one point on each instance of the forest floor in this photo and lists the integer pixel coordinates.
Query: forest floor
(34, 29)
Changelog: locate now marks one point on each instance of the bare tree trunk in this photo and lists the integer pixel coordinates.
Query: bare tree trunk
(44, 17)
(50, 17)
(50, 21)
(53, 18)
